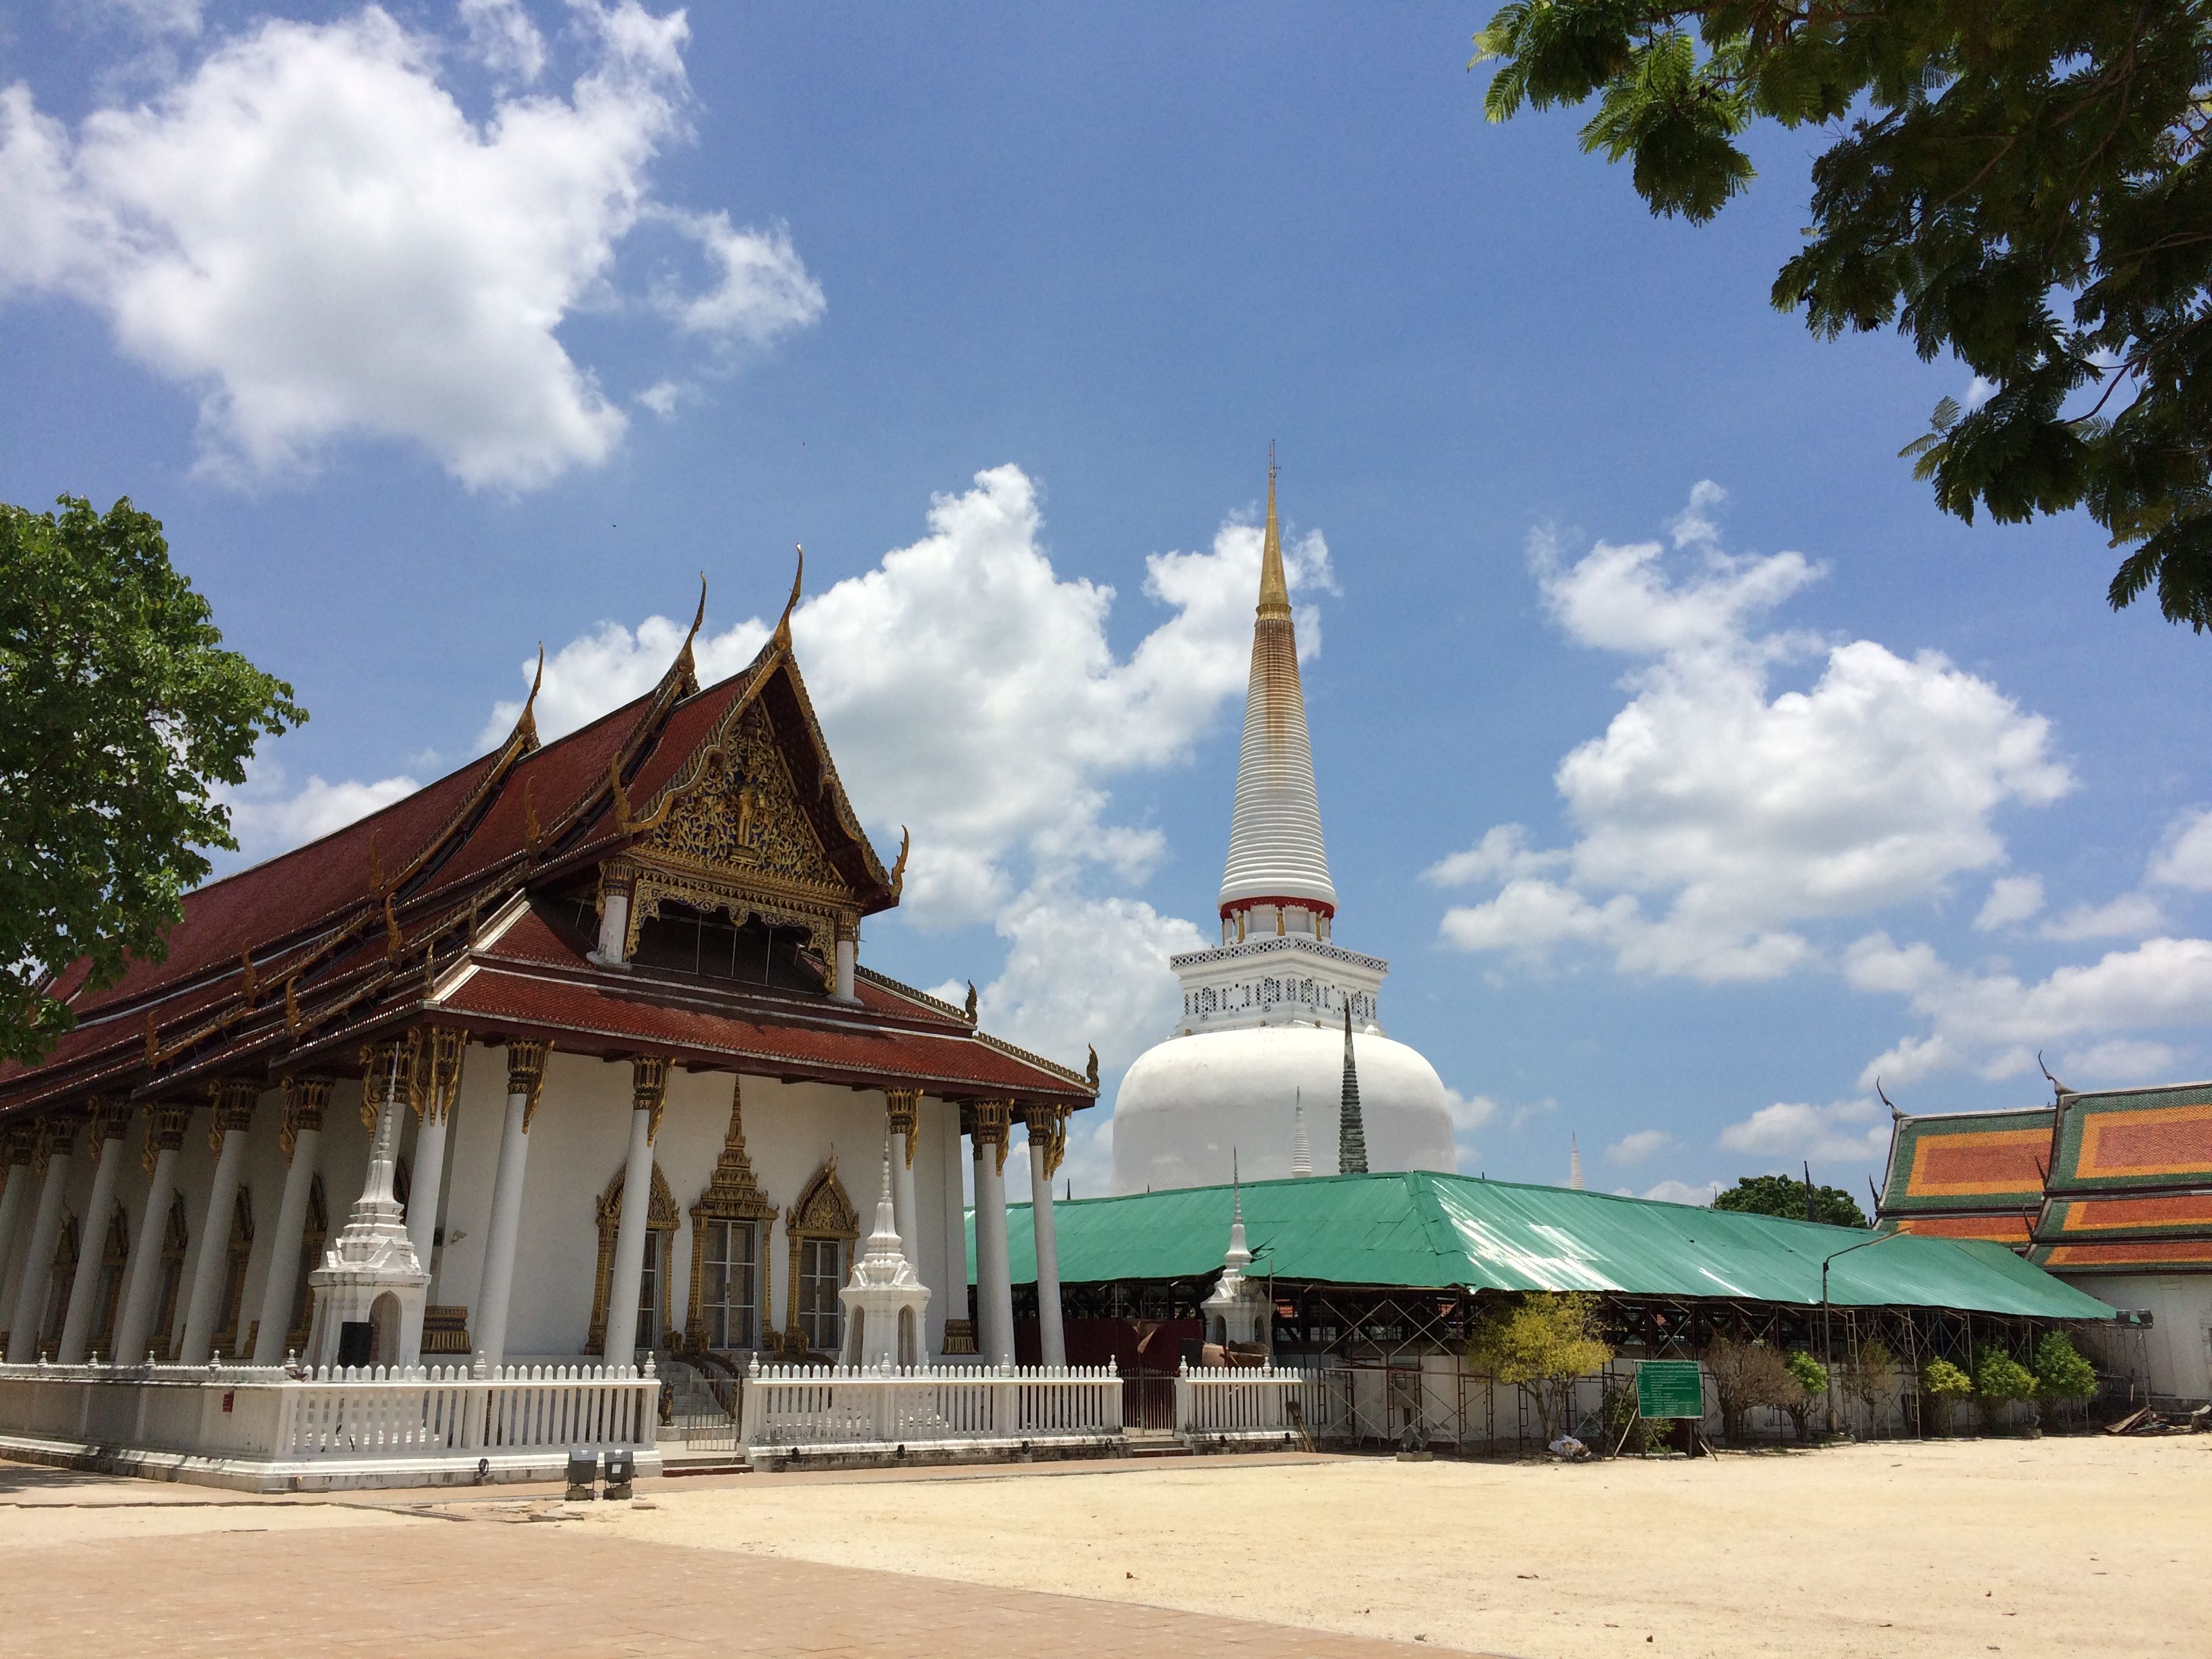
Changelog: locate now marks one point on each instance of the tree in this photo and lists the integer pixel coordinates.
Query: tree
(2002, 1381)
(2061, 1372)
(1542, 1343)
(1945, 1384)
(120, 714)
(1774, 1194)
(1745, 1374)
(1871, 1379)
(2022, 183)
(1811, 1377)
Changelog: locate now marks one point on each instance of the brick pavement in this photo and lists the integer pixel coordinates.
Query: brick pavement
(491, 1583)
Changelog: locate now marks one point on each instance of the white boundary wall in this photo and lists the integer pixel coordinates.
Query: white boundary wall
(1233, 1406)
(947, 1413)
(263, 1429)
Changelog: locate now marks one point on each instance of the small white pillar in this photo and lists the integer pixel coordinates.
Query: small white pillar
(994, 1290)
(134, 1326)
(848, 953)
(648, 1096)
(526, 1080)
(886, 1306)
(59, 1136)
(902, 1113)
(614, 926)
(444, 1048)
(110, 1122)
(369, 1274)
(20, 1144)
(235, 1099)
(304, 1100)
(1048, 1141)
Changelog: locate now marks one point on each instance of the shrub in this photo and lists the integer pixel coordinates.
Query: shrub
(1811, 1377)
(1744, 1374)
(1542, 1343)
(1944, 1384)
(2060, 1371)
(2002, 1381)
(1624, 1425)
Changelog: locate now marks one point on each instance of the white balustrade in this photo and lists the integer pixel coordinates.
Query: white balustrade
(1259, 1403)
(889, 1406)
(269, 1424)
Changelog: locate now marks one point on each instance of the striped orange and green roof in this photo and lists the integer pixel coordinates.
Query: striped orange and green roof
(2134, 1140)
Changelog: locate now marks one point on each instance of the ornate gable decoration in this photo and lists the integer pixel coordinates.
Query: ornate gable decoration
(734, 1193)
(824, 1211)
(730, 835)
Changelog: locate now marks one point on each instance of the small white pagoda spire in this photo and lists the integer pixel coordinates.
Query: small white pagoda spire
(1238, 1258)
(1574, 1163)
(1235, 1312)
(1301, 1146)
(1276, 856)
(883, 1292)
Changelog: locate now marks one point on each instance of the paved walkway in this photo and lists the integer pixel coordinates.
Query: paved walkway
(485, 1578)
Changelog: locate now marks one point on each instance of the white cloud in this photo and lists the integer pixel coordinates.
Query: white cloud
(1502, 855)
(1717, 815)
(1789, 1133)
(503, 39)
(156, 18)
(308, 229)
(268, 818)
(2131, 915)
(2012, 899)
(1641, 1147)
(1682, 1192)
(1993, 1022)
(2185, 858)
(2120, 1060)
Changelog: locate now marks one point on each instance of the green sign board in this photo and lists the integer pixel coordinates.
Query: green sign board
(1669, 1387)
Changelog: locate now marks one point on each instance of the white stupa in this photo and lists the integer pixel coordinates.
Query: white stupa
(1278, 1022)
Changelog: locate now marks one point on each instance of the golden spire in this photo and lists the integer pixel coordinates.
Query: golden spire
(1274, 592)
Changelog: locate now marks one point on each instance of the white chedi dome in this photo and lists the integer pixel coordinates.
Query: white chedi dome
(1184, 1105)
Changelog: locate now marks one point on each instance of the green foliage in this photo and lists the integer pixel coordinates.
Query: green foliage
(2022, 183)
(1774, 1194)
(2061, 1372)
(1811, 1378)
(1542, 1343)
(2001, 1379)
(118, 713)
(1624, 1426)
(1945, 1385)
(1871, 1379)
(1746, 1375)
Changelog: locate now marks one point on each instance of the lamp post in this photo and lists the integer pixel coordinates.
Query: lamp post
(1827, 1325)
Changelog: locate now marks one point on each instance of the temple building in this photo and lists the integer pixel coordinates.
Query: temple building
(2109, 1190)
(1279, 1044)
(567, 1055)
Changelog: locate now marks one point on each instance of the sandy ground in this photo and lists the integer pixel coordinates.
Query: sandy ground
(2057, 1546)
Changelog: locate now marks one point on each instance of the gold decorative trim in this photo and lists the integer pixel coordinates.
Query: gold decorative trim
(1048, 1127)
(305, 1097)
(660, 1218)
(648, 1079)
(525, 1073)
(235, 1100)
(111, 1117)
(444, 1048)
(824, 1211)
(387, 1071)
(989, 1121)
(902, 1113)
(22, 1144)
(733, 1193)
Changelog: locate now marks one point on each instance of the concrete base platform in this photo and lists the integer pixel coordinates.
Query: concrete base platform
(321, 1474)
(879, 1454)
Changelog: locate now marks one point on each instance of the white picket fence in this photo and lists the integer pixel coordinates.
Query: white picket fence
(1259, 1405)
(268, 1428)
(986, 1409)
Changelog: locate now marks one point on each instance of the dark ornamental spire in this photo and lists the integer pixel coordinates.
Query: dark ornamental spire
(1350, 1134)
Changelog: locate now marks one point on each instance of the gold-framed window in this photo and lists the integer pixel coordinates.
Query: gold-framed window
(59, 1277)
(661, 1220)
(314, 1232)
(820, 1230)
(176, 1241)
(238, 1253)
(730, 1226)
(107, 1292)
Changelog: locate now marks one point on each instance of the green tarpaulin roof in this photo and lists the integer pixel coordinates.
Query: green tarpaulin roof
(1433, 1231)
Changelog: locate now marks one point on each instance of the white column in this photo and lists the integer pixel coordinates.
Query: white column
(526, 1078)
(134, 1325)
(614, 926)
(848, 953)
(235, 1100)
(1048, 1129)
(21, 1145)
(904, 1105)
(994, 1290)
(110, 1122)
(304, 1100)
(440, 1085)
(60, 1134)
(649, 1080)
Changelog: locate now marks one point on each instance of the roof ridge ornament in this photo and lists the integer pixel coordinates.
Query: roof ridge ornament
(781, 638)
(898, 870)
(685, 668)
(525, 723)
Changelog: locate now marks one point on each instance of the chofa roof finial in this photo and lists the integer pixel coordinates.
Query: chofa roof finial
(798, 581)
(525, 724)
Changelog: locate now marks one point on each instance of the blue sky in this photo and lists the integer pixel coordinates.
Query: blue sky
(435, 331)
